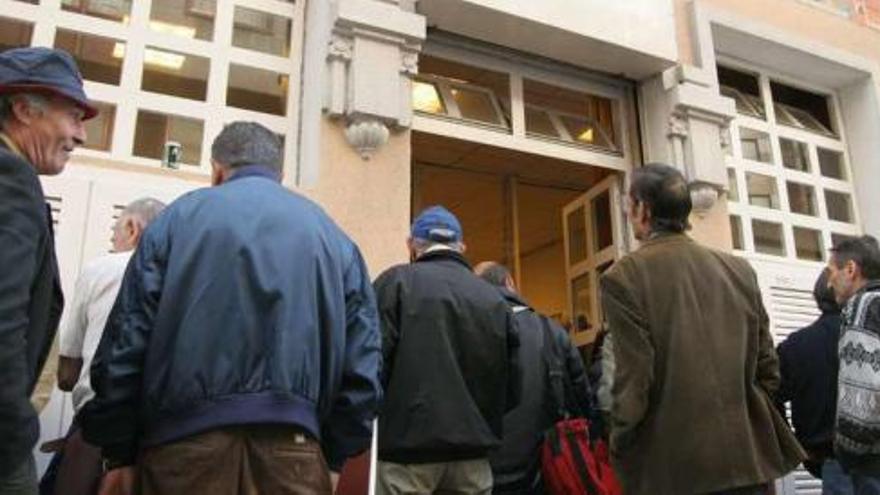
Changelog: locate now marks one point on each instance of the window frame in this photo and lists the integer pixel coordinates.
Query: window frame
(783, 175)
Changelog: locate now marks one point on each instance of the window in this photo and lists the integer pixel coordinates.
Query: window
(154, 129)
(462, 92)
(426, 98)
(801, 199)
(175, 74)
(569, 115)
(114, 10)
(99, 58)
(99, 130)
(816, 206)
(257, 89)
(795, 154)
(744, 89)
(762, 190)
(187, 18)
(261, 31)
(14, 34)
(768, 237)
(755, 145)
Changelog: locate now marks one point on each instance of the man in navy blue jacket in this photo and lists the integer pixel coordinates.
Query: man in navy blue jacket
(243, 349)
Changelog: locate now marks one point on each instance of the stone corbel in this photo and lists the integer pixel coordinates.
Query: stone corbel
(371, 60)
(698, 123)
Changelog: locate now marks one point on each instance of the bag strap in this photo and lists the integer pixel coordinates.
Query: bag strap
(580, 462)
(555, 373)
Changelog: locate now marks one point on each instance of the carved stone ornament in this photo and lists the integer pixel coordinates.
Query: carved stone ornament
(340, 47)
(366, 137)
(409, 63)
(678, 125)
(703, 197)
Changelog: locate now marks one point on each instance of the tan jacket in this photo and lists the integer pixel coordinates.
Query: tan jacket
(695, 369)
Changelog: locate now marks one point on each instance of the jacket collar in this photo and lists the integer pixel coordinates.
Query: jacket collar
(513, 298)
(664, 237)
(444, 254)
(254, 171)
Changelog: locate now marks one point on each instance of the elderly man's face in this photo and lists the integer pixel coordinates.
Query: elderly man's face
(56, 132)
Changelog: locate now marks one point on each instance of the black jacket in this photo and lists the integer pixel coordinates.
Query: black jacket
(517, 464)
(30, 303)
(808, 364)
(449, 344)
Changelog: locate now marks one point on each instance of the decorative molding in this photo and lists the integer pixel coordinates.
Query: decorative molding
(340, 47)
(703, 197)
(366, 137)
(409, 63)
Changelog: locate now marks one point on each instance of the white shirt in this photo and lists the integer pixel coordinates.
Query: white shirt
(95, 293)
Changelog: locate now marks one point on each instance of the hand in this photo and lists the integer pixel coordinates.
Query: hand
(119, 481)
(334, 480)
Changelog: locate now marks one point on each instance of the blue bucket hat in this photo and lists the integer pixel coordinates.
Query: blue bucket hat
(437, 224)
(43, 70)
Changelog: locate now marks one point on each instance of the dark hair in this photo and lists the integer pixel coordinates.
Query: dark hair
(864, 251)
(247, 143)
(665, 191)
(496, 274)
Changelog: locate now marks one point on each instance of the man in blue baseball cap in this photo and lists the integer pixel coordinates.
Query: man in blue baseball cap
(42, 111)
(449, 369)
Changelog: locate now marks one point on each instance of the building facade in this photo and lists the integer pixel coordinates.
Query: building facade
(524, 118)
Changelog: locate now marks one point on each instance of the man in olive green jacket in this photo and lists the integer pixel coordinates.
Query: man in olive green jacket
(695, 366)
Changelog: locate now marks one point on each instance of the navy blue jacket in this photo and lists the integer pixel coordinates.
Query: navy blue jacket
(808, 366)
(243, 304)
(30, 303)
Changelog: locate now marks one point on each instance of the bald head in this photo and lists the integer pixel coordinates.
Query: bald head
(496, 274)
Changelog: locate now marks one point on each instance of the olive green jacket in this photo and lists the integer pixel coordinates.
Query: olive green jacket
(695, 371)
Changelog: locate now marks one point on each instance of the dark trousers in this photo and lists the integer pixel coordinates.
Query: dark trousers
(241, 460)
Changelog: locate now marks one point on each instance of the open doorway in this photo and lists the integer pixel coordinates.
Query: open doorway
(553, 223)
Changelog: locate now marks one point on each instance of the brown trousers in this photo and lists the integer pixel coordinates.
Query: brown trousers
(241, 460)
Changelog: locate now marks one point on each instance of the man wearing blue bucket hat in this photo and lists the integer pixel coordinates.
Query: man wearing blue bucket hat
(42, 110)
(449, 370)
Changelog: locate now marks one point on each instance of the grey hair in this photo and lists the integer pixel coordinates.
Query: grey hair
(247, 143)
(143, 210)
(420, 246)
(34, 100)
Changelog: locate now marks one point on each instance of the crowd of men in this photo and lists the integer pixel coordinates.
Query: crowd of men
(234, 343)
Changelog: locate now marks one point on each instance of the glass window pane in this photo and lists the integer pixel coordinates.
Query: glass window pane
(475, 105)
(14, 34)
(839, 206)
(538, 122)
(187, 18)
(736, 232)
(589, 119)
(755, 145)
(801, 199)
(794, 155)
(732, 185)
(99, 130)
(831, 163)
(602, 229)
(801, 108)
(584, 131)
(808, 244)
(175, 74)
(768, 237)
(261, 31)
(455, 75)
(426, 98)
(257, 89)
(577, 236)
(581, 295)
(99, 58)
(744, 89)
(114, 10)
(762, 190)
(153, 130)
(838, 238)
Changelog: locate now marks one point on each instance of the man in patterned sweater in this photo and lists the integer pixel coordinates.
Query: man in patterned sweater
(854, 274)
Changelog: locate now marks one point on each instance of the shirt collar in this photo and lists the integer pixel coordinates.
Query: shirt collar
(12, 146)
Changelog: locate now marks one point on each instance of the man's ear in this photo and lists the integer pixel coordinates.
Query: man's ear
(23, 110)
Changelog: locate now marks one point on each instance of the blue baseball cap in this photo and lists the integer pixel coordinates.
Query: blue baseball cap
(43, 70)
(437, 224)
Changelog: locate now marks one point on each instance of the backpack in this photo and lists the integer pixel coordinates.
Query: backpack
(570, 463)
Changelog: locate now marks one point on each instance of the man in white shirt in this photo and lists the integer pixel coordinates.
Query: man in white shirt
(95, 293)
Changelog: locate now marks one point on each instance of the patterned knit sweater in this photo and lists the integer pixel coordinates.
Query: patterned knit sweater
(858, 403)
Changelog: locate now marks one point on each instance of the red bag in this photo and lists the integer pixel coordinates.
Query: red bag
(570, 463)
